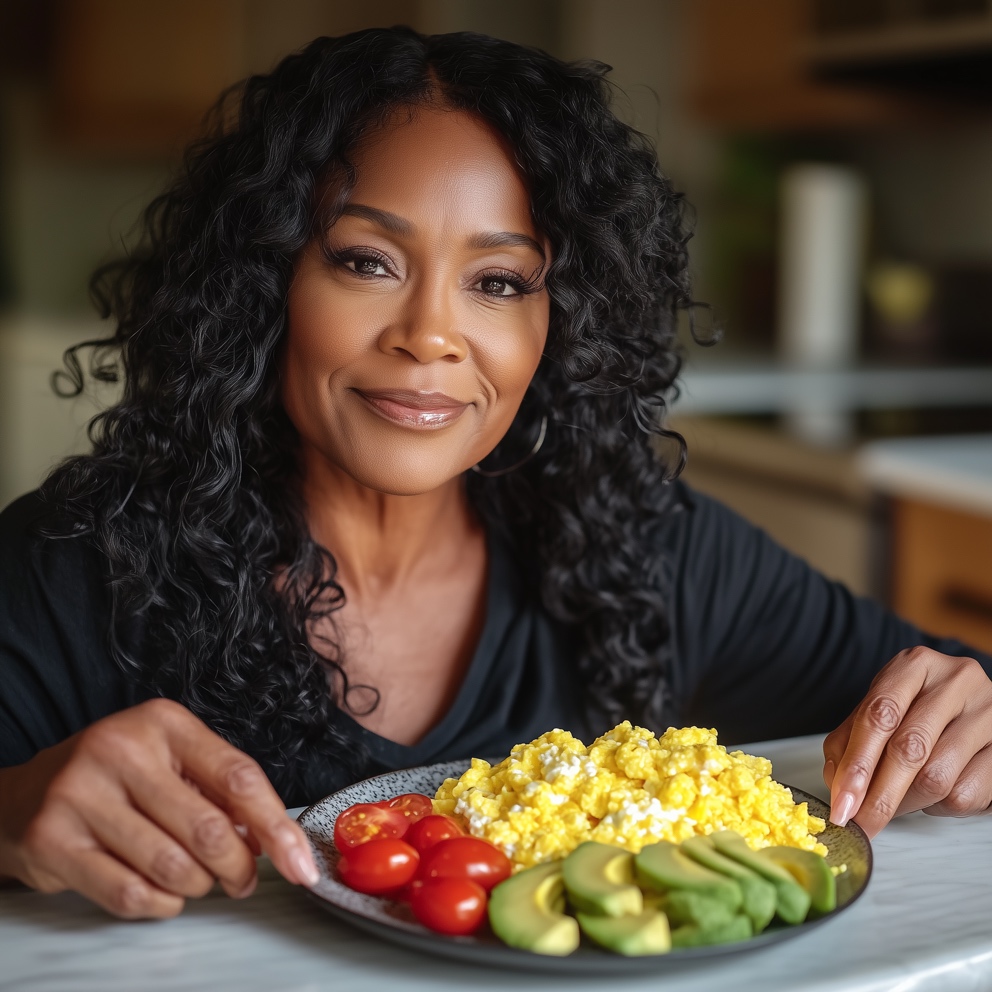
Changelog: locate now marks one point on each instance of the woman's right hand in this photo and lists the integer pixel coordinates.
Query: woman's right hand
(142, 810)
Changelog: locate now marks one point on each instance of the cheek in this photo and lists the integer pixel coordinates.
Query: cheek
(510, 360)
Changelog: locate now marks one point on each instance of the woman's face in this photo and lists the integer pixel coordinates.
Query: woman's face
(417, 324)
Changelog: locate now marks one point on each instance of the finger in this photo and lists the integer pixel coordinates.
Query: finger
(971, 792)
(249, 838)
(199, 826)
(141, 845)
(117, 888)
(875, 720)
(906, 754)
(237, 784)
(834, 745)
(960, 742)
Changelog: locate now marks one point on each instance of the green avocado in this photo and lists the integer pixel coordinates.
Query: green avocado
(683, 906)
(526, 911)
(663, 867)
(641, 933)
(599, 879)
(792, 901)
(758, 893)
(692, 935)
(811, 871)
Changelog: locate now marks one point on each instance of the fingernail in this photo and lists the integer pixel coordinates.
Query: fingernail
(829, 768)
(306, 868)
(248, 889)
(842, 809)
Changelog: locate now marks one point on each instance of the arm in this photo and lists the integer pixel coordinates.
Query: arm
(771, 648)
(142, 810)
(137, 805)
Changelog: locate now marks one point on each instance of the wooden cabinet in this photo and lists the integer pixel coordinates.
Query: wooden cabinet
(750, 72)
(942, 570)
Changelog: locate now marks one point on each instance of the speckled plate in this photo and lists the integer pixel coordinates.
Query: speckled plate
(394, 922)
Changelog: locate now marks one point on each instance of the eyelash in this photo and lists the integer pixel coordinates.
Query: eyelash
(522, 286)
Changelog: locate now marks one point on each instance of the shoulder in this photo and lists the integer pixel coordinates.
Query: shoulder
(35, 546)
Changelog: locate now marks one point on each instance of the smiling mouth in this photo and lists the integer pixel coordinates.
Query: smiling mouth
(412, 409)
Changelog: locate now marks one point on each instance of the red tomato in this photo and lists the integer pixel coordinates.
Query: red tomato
(378, 866)
(432, 830)
(367, 821)
(465, 857)
(455, 906)
(412, 805)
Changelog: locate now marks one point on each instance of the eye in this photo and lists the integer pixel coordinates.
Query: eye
(500, 285)
(363, 262)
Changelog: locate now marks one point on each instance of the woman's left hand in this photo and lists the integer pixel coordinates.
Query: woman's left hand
(920, 739)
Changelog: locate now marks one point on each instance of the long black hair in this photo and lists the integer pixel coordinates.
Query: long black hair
(190, 492)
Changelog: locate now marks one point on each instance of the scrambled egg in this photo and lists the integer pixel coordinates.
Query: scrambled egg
(628, 788)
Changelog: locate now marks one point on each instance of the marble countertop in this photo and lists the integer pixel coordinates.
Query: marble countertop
(923, 924)
(954, 471)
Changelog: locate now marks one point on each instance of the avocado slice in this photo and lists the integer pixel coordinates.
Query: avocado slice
(692, 935)
(599, 879)
(758, 893)
(792, 901)
(526, 911)
(664, 867)
(641, 933)
(683, 906)
(811, 871)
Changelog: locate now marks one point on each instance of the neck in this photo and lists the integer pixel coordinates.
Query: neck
(380, 540)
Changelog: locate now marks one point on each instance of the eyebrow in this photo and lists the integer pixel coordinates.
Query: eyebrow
(397, 225)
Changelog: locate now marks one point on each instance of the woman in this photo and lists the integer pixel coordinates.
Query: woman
(382, 490)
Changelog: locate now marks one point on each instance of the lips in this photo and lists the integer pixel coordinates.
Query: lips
(409, 408)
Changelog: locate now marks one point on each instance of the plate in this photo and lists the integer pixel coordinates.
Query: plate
(394, 922)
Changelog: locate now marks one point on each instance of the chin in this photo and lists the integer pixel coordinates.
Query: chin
(404, 474)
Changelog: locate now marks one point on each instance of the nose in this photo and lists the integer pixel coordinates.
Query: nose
(426, 330)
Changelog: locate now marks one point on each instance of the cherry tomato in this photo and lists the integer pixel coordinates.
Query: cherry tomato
(465, 857)
(431, 830)
(412, 805)
(378, 866)
(455, 906)
(364, 822)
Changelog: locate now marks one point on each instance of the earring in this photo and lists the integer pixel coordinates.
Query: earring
(526, 458)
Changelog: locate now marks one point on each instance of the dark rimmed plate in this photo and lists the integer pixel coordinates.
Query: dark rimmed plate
(394, 922)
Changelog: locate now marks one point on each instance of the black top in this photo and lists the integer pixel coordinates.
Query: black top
(763, 646)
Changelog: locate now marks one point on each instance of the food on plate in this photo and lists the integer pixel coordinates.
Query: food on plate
(792, 901)
(398, 848)
(377, 821)
(453, 906)
(757, 893)
(682, 902)
(599, 878)
(811, 872)
(527, 911)
(628, 788)
(646, 932)
(664, 867)
(431, 830)
(466, 857)
(378, 866)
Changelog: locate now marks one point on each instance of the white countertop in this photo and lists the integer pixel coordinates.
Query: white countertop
(954, 471)
(923, 924)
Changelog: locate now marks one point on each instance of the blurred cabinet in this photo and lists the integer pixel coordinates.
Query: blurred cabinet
(810, 500)
(135, 79)
(942, 570)
(138, 77)
(750, 71)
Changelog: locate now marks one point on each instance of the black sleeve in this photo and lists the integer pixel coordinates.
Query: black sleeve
(56, 676)
(766, 646)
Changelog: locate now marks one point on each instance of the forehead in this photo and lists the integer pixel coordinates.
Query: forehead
(444, 164)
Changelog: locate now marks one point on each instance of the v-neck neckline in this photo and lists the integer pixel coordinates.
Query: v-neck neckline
(499, 606)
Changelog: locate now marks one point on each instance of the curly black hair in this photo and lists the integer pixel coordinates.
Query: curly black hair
(191, 492)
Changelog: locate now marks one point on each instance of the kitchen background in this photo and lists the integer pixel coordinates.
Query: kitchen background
(838, 154)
